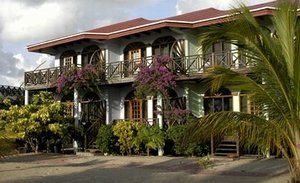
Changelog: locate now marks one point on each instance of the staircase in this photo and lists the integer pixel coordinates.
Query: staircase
(229, 147)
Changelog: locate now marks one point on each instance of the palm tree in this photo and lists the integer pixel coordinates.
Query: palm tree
(272, 82)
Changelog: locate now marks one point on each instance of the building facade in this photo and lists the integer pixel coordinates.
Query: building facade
(121, 48)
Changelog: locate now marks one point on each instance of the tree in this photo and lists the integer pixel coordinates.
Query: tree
(126, 131)
(273, 83)
(42, 119)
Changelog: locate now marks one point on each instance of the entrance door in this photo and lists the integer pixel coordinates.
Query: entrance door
(93, 115)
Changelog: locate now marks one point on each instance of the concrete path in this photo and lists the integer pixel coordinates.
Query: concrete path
(111, 169)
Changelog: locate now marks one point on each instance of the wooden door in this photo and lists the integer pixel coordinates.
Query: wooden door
(136, 109)
(134, 59)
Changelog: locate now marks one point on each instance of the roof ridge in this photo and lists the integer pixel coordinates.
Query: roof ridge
(118, 23)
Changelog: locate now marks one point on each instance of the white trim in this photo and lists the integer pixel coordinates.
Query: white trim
(145, 25)
(26, 102)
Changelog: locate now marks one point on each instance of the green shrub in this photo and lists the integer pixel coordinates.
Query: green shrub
(105, 139)
(151, 137)
(176, 133)
(126, 131)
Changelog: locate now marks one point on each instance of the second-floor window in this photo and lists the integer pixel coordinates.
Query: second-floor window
(68, 61)
(135, 54)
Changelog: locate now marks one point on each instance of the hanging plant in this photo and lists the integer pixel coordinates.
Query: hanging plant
(78, 78)
(155, 79)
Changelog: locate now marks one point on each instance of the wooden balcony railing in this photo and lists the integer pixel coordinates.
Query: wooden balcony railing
(44, 77)
(116, 71)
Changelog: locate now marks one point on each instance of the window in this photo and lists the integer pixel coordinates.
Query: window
(135, 54)
(220, 101)
(68, 61)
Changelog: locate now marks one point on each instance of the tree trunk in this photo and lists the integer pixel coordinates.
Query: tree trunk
(296, 162)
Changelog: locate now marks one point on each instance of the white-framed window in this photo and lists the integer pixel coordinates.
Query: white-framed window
(68, 61)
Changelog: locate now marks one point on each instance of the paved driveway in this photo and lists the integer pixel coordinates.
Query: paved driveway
(69, 168)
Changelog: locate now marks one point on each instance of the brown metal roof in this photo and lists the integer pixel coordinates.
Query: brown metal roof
(121, 25)
(189, 20)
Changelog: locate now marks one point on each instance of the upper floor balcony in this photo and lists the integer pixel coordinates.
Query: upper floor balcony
(185, 67)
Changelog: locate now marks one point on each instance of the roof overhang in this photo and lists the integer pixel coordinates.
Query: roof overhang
(142, 28)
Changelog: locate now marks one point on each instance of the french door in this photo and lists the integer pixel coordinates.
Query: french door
(134, 59)
(135, 109)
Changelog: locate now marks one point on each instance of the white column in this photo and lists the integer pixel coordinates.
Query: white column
(26, 97)
(106, 56)
(235, 56)
(56, 62)
(186, 95)
(76, 108)
(186, 47)
(159, 109)
(79, 59)
(236, 104)
(148, 53)
(201, 102)
(160, 118)
(122, 108)
(122, 57)
(150, 109)
(107, 108)
(186, 53)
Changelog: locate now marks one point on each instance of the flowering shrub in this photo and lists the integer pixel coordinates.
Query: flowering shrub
(156, 78)
(176, 115)
(75, 78)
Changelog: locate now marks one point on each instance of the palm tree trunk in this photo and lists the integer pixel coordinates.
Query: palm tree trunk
(296, 165)
(148, 151)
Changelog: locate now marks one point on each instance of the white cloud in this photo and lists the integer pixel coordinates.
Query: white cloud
(30, 21)
(23, 20)
(184, 6)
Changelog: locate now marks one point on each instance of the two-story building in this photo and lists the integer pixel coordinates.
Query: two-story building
(123, 46)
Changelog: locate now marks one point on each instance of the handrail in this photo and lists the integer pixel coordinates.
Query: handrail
(182, 66)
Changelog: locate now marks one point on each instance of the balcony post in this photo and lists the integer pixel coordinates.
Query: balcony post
(26, 97)
(150, 110)
(160, 118)
(236, 102)
(121, 69)
(79, 59)
(76, 108)
(107, 107)
(186, 95)
(185, 60)
(148, 52)
(122, 108)
(235, 56)
(56, 62)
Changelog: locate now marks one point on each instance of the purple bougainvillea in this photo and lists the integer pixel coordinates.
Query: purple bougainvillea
(156, 78)
(75, 78)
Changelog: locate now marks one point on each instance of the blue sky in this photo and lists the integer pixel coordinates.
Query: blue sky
(24, 22)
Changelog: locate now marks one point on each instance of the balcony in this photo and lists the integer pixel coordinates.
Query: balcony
(186, 67)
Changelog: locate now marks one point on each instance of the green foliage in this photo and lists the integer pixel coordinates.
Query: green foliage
(105, 139)
(44, 117)
(151, 136)
(126, 131)
(176, 133)
(273, 82)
